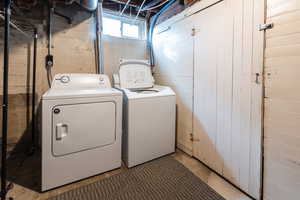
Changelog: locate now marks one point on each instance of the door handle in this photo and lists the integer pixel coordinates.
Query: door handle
(61, 131)
(257, 78)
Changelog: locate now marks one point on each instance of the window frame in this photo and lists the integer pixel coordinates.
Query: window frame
(141, 23)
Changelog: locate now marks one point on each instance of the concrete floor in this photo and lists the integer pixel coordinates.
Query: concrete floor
(24, 172)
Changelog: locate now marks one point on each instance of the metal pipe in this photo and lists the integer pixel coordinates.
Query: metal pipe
(69, 19)
(7, 14)
(33, 121)
(125, 7)
(151, 4)
(49, 30)
(122, 2)
(49, 57)
(99, 38)
(137, 15)
(157, 6)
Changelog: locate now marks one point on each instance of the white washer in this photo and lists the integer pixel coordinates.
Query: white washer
(81, 128)
(149, 114)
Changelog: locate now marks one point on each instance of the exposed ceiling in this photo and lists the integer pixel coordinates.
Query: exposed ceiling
(132, 8)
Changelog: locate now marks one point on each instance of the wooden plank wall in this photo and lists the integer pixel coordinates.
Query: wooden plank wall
(282, 101)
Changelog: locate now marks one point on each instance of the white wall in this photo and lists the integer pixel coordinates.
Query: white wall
(116, 48)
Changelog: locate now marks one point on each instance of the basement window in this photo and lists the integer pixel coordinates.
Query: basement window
(130, 30)
(111, 27)
(124, 27)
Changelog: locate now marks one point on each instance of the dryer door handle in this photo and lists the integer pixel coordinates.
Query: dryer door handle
(61, 131)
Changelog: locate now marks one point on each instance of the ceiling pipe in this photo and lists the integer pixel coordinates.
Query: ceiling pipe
(137, 15)
(125, 7)
(151, 4)
(122, 2)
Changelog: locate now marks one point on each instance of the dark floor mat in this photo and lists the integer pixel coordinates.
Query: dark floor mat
(162, 179)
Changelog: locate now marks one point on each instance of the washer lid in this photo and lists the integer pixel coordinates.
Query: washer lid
(135, 74)
(156, 91)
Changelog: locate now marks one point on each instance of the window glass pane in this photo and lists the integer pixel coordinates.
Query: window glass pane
(111, 27)
(130, 30)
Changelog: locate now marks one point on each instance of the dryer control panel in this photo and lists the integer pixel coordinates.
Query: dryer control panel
(80, 81)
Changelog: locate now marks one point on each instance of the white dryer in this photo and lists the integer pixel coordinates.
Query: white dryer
(149, 114)
(81, 128)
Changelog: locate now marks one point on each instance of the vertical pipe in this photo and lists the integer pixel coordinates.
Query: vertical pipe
(99, 38)
(7, 13)
(50, 10)
(151, 29)
(49, 57)
(33, 122)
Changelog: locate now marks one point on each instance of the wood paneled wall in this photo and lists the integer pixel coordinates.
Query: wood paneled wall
(282, 101)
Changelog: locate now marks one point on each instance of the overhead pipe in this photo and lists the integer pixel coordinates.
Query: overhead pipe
(121, 13)
(122, 2)
(151, 29)
(137, 15)
(151, 4)
(99, 38)
(157, 6)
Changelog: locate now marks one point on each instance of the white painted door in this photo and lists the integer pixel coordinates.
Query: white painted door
(212, 87)
(173, 48)
(228, 91)
(214, 76)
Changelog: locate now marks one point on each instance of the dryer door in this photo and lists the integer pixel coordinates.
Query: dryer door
(81, 127)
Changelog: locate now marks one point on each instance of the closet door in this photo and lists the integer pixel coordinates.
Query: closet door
(212, 87)
(173, 48)
(228, 91)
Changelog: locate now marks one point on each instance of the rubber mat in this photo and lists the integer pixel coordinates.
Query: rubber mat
(162, 179)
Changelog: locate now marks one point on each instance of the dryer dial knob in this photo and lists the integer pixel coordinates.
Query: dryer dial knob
(56, 110)
(65, 79)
